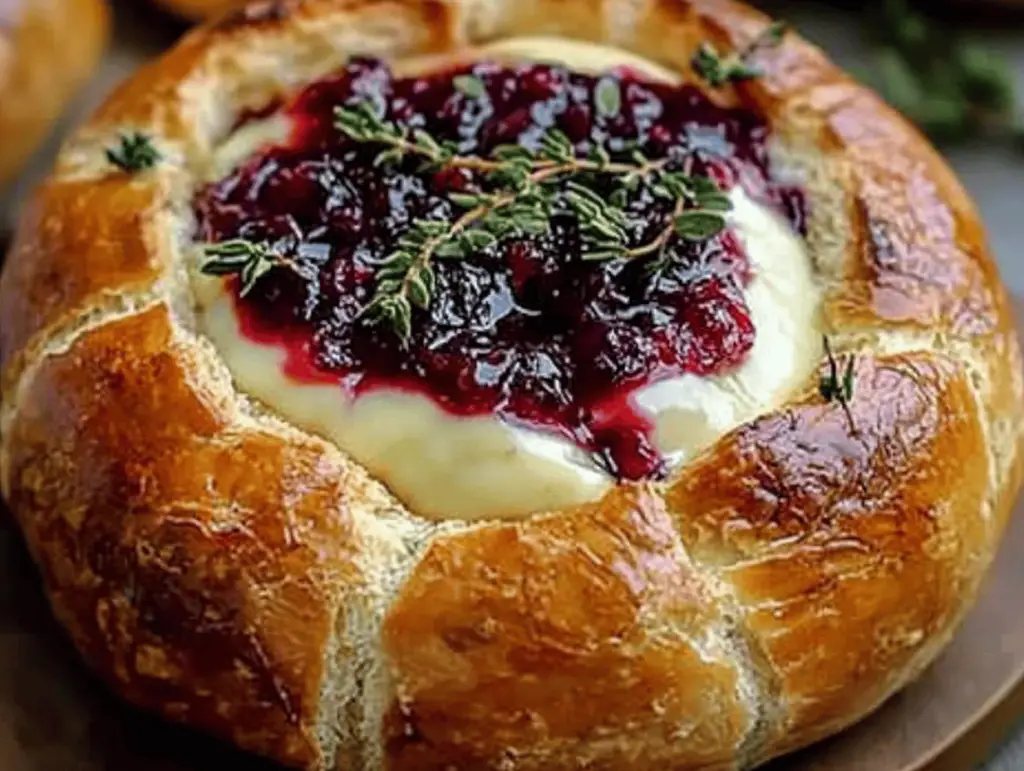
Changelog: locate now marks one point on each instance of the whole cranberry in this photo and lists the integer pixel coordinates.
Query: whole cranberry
(576, 122)
(450, 180)
(524, 263)
(511, 126)
(660, 138)
(717, 323)
(540, 82)
(614, 353)
(299, 186)
(347, 220)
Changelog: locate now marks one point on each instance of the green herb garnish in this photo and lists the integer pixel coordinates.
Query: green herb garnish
(134, 153)
(470, 85)
(249, 260)
(718, 69)
(522, 201)
(836, 387)
(607, 97)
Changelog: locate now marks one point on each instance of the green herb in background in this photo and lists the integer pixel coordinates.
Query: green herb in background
(952, 89)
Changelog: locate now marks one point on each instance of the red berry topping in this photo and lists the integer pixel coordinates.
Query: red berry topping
(522, 327)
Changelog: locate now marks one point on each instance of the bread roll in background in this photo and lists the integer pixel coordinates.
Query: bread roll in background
(48, 48)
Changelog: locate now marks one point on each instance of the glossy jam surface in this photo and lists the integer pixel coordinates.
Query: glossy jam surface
(523, 329)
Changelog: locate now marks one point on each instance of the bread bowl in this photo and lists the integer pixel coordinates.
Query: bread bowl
(704, 556)
(47, 51)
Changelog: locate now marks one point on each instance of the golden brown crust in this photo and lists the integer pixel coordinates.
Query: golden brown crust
(823, 536)
(48, 48)
(540, 641)
(202, 564)
(197, 564)
(774, 591)
(79, 240)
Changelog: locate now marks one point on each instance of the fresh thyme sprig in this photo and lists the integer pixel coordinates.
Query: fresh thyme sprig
(718, 68)
(134, 153)
(523, 202)
(835, 387)
(361, 123)
(250, 260)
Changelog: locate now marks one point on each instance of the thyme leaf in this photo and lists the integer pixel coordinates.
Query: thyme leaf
(698, 224)
(607, 97)
(470, 85)
(718, 69)
(249, 260)
(135, 152)
(836, 387)
(521, 201)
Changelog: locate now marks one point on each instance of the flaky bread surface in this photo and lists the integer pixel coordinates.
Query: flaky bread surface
(234, 573)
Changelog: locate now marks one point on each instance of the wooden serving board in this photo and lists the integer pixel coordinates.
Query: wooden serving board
(55, 717)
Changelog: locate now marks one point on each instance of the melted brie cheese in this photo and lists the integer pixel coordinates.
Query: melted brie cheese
(583, 57)
(449, 467)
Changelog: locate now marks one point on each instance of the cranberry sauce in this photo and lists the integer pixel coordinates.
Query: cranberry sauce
(522, 328)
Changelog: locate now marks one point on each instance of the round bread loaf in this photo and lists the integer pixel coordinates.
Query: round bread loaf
(191, 326)
(47, 51)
